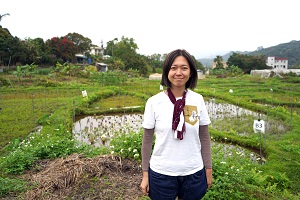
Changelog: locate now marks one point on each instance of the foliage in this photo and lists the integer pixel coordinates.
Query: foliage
(124, 55)
(17, 162)
(154, 61)
(246, 62)
(83, 43)
(62, 48)
(4, 81)
(122, 52)
(231, 71)
(290, 50)
(20, 72)
(219, 62)
(89, 71)
(12, 50)
(127, 145)
(1, 16)
(112, 78)
(36, 51)
(238, 177)
(8, 185)
(43, 71)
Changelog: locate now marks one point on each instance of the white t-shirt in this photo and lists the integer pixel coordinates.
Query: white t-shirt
(172, 156)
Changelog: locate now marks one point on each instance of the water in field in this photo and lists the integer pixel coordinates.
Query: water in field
(98, 130)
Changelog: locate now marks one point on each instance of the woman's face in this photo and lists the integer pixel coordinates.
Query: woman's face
(179, 72)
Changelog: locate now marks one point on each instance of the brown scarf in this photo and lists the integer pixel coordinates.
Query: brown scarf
(178, 108)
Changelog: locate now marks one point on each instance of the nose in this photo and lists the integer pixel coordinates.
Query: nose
(179, 70)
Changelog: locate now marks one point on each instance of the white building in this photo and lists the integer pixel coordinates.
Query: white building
(277, 63)
(96, 50)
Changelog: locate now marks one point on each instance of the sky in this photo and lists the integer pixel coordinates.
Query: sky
(205, 28)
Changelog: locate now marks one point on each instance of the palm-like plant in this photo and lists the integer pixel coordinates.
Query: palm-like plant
(1, 16)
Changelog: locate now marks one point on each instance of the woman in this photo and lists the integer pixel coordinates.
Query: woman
(180, 165)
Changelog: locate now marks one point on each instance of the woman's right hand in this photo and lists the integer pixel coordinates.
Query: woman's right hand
(145, 183)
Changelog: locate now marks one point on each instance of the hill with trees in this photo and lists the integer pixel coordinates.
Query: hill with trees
(290, 50)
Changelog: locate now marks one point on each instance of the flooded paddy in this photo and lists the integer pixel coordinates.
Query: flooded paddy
(98, 130)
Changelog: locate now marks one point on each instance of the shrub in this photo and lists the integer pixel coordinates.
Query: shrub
(8, 185)
(127, 145)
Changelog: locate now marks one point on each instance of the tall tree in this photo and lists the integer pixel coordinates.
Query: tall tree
(36, 50)
(125, 50)
(63, 48)
(219, 62)
(83, 43)
(12, 50)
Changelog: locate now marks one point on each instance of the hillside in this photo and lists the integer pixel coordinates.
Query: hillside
(290, 50)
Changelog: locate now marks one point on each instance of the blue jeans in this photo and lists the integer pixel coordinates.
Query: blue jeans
(190, 187)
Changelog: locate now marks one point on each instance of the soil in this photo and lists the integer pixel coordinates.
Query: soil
(76, 177)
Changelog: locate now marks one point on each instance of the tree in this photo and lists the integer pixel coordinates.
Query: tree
(247, 62)
(119, 65)
(125, 50)
(154, 61)
(219, 62)
(83, 43)
(110, 46)
(4, 46)
(199, 65)
(12, 50)
(35, 50)
(62, 48)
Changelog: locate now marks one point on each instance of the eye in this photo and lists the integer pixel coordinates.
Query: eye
(173, 68)
(185, 67)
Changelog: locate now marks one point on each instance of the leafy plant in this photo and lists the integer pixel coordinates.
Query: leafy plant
(8, 185)
(127, 145)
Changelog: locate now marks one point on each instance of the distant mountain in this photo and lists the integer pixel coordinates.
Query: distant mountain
(290, 50)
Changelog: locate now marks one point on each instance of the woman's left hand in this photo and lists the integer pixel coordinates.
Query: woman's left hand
(209, 177)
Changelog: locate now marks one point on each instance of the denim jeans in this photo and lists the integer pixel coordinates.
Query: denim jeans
(190, 187)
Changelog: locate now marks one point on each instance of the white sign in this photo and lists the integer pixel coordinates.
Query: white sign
(259, 126)
(84, 93)
(161, 87)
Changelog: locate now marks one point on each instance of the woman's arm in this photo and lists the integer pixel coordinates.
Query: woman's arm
(206, 152)
(146, 153)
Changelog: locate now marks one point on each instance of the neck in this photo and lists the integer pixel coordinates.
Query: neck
(178, 92)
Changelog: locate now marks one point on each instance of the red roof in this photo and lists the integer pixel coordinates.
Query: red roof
(281, 58)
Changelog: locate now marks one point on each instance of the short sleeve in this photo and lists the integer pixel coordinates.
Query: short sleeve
(204, 117)
(149, 118)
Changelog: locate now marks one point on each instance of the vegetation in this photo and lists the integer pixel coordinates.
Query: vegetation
(246, 62)
(122, 54)
(52, 102)
(39, 105)
(288, 50)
